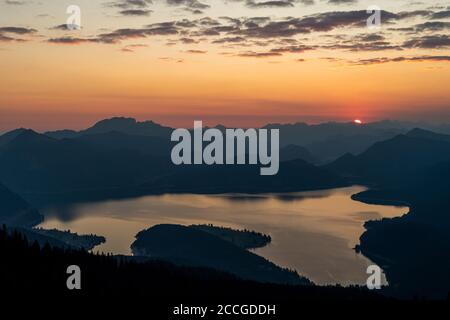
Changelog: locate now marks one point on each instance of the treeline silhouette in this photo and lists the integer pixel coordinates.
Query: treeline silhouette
(33, 269)
(247, 239)
(190, 246)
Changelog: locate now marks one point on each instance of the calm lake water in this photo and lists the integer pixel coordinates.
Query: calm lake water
(312, 232)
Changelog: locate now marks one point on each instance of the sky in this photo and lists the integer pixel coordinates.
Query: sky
(234, 62)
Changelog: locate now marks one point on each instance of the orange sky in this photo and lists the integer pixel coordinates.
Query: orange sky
(54, 85)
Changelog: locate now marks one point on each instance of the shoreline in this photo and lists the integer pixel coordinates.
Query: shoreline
(348, 191)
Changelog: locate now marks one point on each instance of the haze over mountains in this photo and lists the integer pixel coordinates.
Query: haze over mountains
(397, 158)
(329, 141)
(325, 142)
(16, 211)
(413, 168)
(120, 157)
(33, 162)
(123, 157)
(414, 250)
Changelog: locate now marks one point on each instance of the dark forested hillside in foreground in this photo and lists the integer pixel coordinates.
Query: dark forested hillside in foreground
(414, 250)
(28, 268)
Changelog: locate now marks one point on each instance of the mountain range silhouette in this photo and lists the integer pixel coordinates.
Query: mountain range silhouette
(121, 157)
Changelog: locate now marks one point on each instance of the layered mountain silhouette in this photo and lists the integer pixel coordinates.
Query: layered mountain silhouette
(396, 159)
(294, 175)
(116, 140)
(120, 124)
(8, 136)
(325, 142)
(427, 134)
(36, 163)
(328, 141)
(412, 169)
(121, 157)
(293, 152)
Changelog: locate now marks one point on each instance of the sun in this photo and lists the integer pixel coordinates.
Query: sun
(357, 121)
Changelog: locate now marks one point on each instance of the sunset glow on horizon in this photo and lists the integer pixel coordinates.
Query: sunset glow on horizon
(223, 61)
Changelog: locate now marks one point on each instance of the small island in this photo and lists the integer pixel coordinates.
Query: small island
(245, 239)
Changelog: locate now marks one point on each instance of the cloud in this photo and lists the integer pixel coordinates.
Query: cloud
(229, 40)
(185, 40)
(269, 4)
(362, 42)
(190, 4)
(70, 40)
(170, 59)
(433, 26)
(132, 47)
(401, 59)
(414, 14)
(17, 30)
(165, 28)
(259, 4)
(440, 15)
(65, 27)
(371, 46)
(129, 4)
(135, 12)
(276, 35)
(276, 52)
(62, 27)
(116, 36)
(342, 1)
(4, 38)
(429, 42)
(131, 7)
(196, 51)
(8, 34)
(16, 2)
(252, 54)
(292, 49)
(321, 22)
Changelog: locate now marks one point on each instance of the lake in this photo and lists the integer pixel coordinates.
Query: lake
(312, 232)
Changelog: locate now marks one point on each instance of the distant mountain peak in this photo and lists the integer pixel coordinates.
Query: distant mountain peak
(115, 121)
(416, 131)
(427, 134)
(29, 133)
(150, 122)
(11, 135)
(128, 126)
(30, 136)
